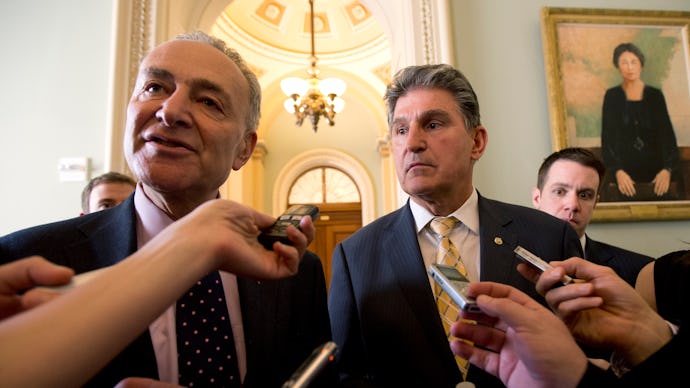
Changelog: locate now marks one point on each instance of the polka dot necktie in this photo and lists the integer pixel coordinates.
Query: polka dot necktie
(205, 346)
(448, 254)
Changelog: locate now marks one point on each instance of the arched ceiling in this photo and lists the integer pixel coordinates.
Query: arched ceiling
(339, 25)
(274, 38)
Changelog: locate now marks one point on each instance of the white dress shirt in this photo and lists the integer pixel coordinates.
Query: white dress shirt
(465, 235)
(150, 221)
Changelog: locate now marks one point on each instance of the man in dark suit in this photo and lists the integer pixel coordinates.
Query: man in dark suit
(568, 186)
(191, 120)
(382, 307)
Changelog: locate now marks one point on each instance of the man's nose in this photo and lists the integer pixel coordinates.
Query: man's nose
(572, 202)
(174, 111)
(416, 138)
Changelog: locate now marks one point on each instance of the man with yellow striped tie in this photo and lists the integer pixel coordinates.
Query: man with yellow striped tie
(382, 304)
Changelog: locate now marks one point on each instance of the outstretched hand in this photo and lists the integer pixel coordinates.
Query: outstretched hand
(604, 311)
(518, 340)
(227, 231)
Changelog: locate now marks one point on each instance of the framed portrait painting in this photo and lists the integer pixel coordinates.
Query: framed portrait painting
(618, 83)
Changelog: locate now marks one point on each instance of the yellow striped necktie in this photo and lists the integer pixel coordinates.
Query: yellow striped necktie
(448, 254)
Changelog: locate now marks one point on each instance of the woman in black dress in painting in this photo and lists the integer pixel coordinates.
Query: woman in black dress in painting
(638, 142)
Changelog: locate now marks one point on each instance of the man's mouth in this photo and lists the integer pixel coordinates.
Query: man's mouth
(166, 142)
(569, 218)
(414, 165)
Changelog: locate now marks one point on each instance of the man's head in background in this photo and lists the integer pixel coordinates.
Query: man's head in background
(106, 191)
(568, 186)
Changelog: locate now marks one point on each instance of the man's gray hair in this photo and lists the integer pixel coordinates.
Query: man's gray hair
(440, 76)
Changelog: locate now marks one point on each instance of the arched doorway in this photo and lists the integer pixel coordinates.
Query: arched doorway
(340, 205)
(339, 184)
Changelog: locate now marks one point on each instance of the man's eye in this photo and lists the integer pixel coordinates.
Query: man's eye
(210, 103)
(434, 125)
(400, 130)
(153, 88)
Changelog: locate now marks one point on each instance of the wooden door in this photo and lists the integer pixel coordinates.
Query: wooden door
(335, 223)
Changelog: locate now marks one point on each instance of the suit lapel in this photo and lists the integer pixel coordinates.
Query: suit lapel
(596, 253)
(497, 242)
(109, 236)
(405, 258)
(406, 261)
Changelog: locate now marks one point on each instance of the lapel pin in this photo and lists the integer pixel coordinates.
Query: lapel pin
(498, 241)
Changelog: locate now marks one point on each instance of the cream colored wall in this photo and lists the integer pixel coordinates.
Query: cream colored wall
(54, 74)
(498, 46)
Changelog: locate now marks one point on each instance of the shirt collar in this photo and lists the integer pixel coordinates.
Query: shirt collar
(468, 213)
(150, 219)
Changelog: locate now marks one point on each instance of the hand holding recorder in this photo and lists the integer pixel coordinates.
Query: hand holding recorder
(600, 309)
(292, 216)
(519, 340)
(455, 285)
(536, 263)
(603, 310)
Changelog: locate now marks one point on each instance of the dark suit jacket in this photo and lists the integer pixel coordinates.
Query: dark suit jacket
(383, 313)
(283, 320)
(627, 264)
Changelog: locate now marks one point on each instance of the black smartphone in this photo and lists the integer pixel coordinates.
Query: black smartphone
(312, 366)
(292, 216)
(455, 285)
(537, 263)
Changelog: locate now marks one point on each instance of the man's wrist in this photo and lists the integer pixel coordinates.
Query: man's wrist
(620, 364)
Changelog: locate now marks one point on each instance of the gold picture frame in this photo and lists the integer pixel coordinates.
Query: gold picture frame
(578, 45)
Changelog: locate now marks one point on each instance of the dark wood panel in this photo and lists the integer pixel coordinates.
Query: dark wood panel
(335, 223)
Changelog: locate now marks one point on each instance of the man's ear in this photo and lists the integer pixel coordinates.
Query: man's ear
(248, 145)
(536, 197)
(480, 138)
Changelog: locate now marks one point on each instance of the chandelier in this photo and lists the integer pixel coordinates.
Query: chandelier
(313, 97)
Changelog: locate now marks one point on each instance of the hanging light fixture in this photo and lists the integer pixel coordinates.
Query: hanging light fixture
(313, 97)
